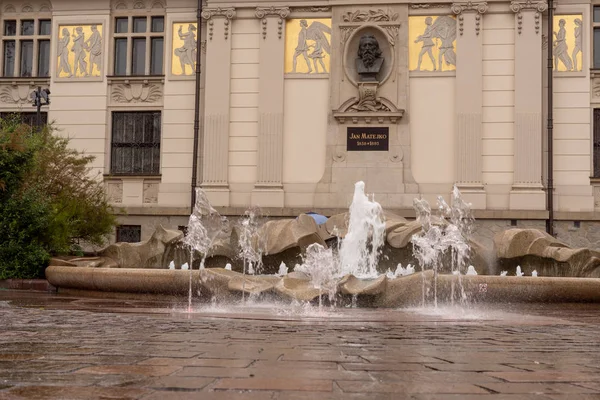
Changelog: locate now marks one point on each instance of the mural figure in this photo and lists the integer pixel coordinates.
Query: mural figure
(578, 42)
(369, 61)
(445, 27)
(427, 39)
(560, 47)
(94, 46)
(79, 50)
(187, 52)
(315, 32)
(444, 30)
(63, 53)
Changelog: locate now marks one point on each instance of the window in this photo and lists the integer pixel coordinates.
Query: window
(129, 233)
(135, 147)
(26, 47)
(597, 143)
(139, 45)
(29, 118)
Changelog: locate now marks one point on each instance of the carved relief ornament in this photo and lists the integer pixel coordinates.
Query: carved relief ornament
(479, 7)
(387, 20)
(209, 13)
(17, 93)
(596, 89)
(114, 192)
(263, 12)
(370, 16)
(136, 93)
(538, 6)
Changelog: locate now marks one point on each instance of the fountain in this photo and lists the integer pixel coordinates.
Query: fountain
(342, 261)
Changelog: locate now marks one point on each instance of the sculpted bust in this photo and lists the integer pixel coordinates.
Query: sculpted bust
(369, 61)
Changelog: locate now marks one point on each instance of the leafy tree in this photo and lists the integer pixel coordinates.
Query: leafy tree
(49, 200)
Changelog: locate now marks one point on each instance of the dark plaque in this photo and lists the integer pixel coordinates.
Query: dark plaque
(368, 139)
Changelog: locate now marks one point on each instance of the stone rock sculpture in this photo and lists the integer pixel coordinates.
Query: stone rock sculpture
(535, 249)
(146, 254)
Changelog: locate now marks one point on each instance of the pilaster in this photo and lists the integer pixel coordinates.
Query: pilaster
(216, 109)
(268, 190)
(527, 192)
(469, 100)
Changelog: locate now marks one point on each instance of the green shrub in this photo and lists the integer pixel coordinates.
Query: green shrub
(24, 223)
(49, 201)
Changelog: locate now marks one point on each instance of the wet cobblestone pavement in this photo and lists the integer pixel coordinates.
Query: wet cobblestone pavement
(58, 347)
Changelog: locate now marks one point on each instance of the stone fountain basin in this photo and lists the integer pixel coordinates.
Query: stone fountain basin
(225, 285)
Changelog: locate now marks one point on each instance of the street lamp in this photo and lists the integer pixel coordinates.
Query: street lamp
(40, 97)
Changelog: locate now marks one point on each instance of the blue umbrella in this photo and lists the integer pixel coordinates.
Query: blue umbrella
(319, 219)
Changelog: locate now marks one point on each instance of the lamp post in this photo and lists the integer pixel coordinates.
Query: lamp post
(40, 97)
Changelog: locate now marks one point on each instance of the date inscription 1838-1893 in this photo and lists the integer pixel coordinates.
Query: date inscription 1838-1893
(368, 139)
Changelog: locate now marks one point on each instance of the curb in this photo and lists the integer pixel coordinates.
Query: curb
(38, 285)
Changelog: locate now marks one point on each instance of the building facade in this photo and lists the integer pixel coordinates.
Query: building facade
(289, 121)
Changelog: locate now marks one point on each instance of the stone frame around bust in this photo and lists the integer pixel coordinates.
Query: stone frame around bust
(349, 55)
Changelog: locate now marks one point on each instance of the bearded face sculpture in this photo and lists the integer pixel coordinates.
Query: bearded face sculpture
(369, 61)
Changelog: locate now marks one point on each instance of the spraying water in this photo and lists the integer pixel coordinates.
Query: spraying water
(283, 269)
(251, 244)
(319, 265)
(204, 226)
(450, 233)
(361, 247)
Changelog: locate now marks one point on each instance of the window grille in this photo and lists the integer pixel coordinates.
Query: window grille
(129, 233)
(29, 118)
(135, 148)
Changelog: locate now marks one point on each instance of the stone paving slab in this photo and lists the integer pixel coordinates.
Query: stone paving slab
(57, 347)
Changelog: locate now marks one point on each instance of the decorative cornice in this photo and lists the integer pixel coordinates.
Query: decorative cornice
(478, 7)
(428, 5)
(209, 13)
(263, 12)
(311, 9)
(538, 6)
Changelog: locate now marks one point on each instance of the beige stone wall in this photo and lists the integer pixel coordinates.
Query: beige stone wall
(178, 124)
(573, 128)
(243, 125)
(79, 108)
(304, 138)
(273, 140)
(498, 107)
(433, 131)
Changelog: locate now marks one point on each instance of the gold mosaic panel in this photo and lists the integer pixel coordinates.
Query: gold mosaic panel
(184, 48)
(432, 43)
(567, 43)
(80, 51)
(308, 46)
